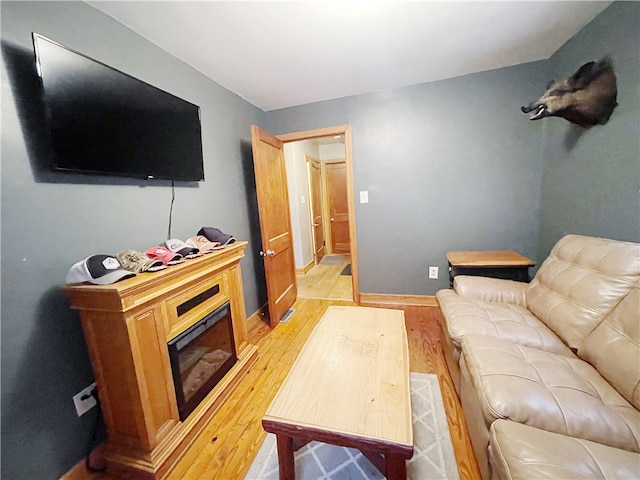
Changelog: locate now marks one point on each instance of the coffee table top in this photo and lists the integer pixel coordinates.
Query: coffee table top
(351, 380)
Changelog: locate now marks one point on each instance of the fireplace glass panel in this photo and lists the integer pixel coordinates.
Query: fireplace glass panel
(200, 357)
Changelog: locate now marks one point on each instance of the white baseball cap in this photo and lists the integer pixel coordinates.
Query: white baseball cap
(98, 269)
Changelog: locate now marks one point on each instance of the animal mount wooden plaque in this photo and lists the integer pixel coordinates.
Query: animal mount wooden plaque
(586, 98)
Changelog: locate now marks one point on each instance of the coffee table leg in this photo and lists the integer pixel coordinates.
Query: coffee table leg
(285, 457)
(396, 467)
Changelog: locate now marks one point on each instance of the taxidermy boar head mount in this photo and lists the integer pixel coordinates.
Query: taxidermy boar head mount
(586, 98)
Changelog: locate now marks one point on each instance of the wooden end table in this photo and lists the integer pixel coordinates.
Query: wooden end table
(505, 264)
(350, 387)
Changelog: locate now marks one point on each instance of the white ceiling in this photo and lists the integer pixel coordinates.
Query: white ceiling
(281, 54)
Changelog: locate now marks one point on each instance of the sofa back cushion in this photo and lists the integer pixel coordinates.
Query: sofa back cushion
(580, 282)
(614, 347)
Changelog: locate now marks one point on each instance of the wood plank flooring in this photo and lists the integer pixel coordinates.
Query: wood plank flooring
(235, 434)
(324, 281)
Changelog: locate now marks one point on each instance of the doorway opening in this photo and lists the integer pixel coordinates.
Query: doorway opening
(320, 182)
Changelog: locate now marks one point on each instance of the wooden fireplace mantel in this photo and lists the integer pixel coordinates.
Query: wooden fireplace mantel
(127, 325)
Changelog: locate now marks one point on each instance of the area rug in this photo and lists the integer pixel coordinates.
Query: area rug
(346, 270)
(433, 456)
(332, 260)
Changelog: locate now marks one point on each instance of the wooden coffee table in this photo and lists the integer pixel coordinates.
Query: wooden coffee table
(349, 386)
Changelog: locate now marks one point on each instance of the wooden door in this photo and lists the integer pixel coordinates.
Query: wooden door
(338, 206)
(317, 225)
(275, 223)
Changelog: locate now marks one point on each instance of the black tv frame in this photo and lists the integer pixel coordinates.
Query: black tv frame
(117, 133)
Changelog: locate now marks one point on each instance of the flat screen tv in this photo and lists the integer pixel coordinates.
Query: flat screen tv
(104, 121)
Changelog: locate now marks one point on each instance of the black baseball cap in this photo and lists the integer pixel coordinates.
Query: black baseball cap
(216, 235)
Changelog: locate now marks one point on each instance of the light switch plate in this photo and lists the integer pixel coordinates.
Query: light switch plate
(364, 196)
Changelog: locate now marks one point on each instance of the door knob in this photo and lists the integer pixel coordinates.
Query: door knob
(316, 224)
(333, 219)
(268, 253)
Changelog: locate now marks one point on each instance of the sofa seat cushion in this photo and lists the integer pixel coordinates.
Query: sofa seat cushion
(507, 321)
(521, 452)
(548, 391)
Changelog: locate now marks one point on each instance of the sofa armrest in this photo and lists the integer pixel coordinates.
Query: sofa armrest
(490, 289)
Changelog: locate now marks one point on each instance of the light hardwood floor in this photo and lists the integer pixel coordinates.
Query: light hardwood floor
(235, 434)
(324, 281)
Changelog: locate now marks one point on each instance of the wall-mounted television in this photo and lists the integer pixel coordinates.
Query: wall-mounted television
(103, 121)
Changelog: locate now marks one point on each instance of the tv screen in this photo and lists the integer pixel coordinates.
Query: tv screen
(104, 121)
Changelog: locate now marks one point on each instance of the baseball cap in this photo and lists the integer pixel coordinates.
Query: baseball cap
(178, 246)
(98, 269)
(203, 244)
(139, 262)
(165, 256)
(216, 235)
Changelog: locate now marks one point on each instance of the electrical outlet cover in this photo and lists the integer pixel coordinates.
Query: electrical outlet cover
(83, 406)
(433, 272)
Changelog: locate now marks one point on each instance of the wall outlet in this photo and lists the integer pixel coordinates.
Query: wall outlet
(433, 272)
(364, 196)
(84, 400)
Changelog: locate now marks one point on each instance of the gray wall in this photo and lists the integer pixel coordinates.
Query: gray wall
(51, 220)
(450, 165)
(591, 176)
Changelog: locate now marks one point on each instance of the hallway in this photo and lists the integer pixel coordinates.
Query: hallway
(325, 280)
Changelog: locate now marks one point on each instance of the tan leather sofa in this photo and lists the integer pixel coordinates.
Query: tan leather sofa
(551, 366)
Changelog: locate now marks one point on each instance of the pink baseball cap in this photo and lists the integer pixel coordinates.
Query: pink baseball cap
(203, 244)
(165, 255)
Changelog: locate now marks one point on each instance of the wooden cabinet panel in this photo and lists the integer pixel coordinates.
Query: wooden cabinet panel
(153, 372)
(193, 302)
(111, 356)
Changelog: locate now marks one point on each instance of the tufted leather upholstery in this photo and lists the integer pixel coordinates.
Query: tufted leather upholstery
(501, 320)
(580, 282)
(491, 289)
(561, 354)
(552, 392)
(520, 452)
(614, 347)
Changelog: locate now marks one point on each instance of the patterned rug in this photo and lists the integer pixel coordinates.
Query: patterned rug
(433, 456)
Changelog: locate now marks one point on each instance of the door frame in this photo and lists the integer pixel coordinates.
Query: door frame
(330, 132)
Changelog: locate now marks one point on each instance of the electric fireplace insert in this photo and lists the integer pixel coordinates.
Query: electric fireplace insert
(200, 357)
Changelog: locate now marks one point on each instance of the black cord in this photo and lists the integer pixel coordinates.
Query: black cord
(173, 197)
(94, 435)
